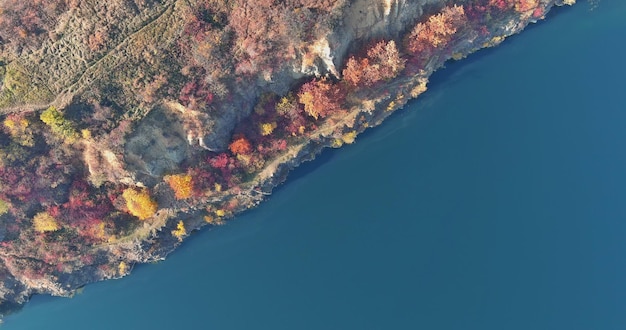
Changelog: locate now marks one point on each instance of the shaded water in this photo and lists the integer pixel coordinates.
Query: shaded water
(496, 201)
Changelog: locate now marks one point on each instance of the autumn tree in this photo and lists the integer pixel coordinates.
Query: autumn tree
(4, 207)
(437, 31)
(216, 221)
(59, 125)
(523, 6)
(286, 24)
(240, 146)
(289, 107)
(122, 268)
(180, 231)
(320, 98)
(220, 161)
(139, 203)
(353, 73)
(501, 4)
(85, 210)
(267, 128)
(44, 222)
(383, 62)
(181, 184)
(19, 129)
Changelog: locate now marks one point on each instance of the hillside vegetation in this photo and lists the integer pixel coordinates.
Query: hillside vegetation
(127, 124)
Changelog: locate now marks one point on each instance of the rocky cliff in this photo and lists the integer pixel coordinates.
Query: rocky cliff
(128, 124)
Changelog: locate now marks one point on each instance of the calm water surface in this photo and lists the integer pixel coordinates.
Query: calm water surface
(496, 201)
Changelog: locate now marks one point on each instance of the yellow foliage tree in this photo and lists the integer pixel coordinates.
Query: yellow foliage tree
(287, 105)
(44, 222)
(139, 203)
(216, 221)
(337, 143)
(122, 268)
(58, 124)
(20, 131)
(4, 207)
(349, 137)
(180, 230)
(267, 128)
(181, 184)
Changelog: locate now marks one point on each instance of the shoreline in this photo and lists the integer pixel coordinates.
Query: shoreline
(158, 238)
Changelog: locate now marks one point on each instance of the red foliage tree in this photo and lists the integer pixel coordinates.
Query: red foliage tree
(225, 164)
(220, 161)
(195, 95)
(538, 12)
(203, 179)
(501, 4)
(85, 207)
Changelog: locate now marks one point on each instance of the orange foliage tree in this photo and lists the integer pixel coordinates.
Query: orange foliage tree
(240, 146)
(320, 98)
(437, 31)
(383, 62)
(353, 72)
(181, 184)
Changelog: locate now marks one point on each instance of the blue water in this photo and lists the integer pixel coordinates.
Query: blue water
(496, 201)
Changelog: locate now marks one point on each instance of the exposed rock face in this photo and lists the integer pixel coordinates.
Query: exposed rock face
(157, 146)
(365, 20)
(148, 89)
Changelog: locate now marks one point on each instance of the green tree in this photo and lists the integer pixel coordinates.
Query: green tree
(59, 125)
